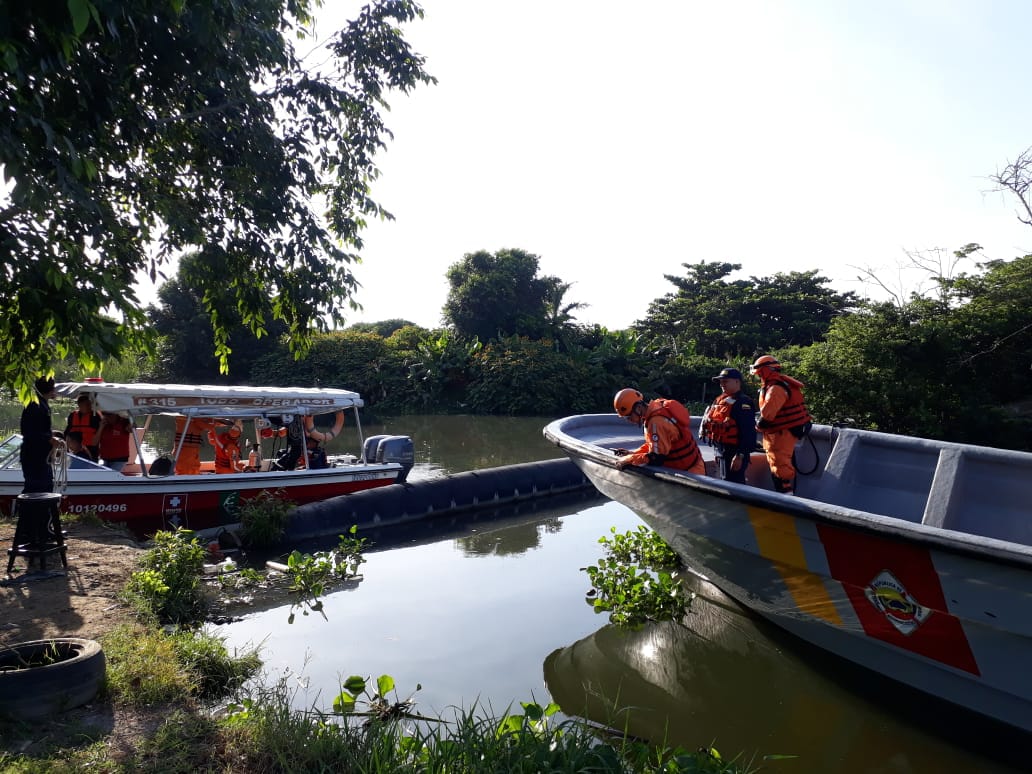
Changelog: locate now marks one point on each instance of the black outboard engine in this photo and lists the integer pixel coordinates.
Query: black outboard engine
(391, 448)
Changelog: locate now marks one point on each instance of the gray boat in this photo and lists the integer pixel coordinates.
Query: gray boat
(908, 556)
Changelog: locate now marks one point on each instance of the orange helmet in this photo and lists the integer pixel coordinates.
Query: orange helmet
(625, 401)
(765, 361)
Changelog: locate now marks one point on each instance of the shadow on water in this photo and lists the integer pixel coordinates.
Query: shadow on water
(724, 676)
(509, 530)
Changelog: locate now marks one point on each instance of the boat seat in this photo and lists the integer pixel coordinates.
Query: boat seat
(880, 474)
(987, 494)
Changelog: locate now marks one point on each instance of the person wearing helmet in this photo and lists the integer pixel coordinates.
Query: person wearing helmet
(782, 420)
(728, 424)
(668, 437)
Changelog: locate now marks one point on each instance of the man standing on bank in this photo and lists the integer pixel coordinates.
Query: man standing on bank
(38, 440)
(783, 420)
(730, 425)
(668, 437)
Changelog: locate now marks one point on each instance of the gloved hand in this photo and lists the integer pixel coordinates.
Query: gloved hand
(620, 452)
(761, 423)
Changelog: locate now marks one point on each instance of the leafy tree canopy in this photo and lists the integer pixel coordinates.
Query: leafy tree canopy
(500, 295)
(735, 319)
(186, 344)
(136, 129)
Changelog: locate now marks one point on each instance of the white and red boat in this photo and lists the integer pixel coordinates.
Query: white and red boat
(148, 495)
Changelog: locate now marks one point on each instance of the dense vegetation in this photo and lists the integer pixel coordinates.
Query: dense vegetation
(951, 363)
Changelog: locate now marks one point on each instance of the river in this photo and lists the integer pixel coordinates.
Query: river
(490, 609)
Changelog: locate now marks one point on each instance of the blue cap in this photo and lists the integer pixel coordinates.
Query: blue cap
(728, 373)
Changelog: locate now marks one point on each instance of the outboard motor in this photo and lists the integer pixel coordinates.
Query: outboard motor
(369, 448)
(400, 449)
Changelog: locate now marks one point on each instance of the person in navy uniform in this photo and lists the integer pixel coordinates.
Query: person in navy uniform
(38, 439)
(730, 426)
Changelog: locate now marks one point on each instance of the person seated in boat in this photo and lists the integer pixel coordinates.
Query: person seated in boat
(729, 425)
(227, 449)
(316, 455)
(293, 455)
(783, 419)
(114, 436)
(668, 436)
(75, 446)
(190, 435)
(85, 421)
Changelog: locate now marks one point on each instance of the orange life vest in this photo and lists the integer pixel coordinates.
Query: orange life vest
(85, 424)
(793, 412)
(227, 451)
(718, 423)
(686, 454)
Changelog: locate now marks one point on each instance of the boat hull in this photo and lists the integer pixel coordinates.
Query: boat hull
(942, 612)
(197, 502)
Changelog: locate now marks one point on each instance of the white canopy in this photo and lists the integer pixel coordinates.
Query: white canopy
(210, 400)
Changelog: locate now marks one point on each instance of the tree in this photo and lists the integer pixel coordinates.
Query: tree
(186, 347)
(736, 319)
(137, 129)
(494, 296)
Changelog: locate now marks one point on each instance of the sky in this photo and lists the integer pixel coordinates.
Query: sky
(618, 141)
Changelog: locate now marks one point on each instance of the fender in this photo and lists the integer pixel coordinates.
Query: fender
(311, 432)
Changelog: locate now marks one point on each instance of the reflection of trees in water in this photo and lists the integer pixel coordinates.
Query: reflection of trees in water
(459, 443)
(511, 541)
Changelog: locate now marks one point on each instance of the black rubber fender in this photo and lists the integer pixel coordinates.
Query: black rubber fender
(38, 691)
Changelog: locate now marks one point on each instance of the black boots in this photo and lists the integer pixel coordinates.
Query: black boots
(782, 485)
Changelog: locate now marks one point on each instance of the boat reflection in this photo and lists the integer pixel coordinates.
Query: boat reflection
(727, 678)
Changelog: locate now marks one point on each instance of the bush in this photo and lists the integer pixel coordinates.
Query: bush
(169, 586)
(264, 518)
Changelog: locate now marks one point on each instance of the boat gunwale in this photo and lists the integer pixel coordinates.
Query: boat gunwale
(972, 545)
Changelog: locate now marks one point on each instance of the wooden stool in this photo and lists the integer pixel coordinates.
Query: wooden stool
(38, 533)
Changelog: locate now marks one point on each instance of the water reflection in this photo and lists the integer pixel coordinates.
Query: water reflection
(724, 676)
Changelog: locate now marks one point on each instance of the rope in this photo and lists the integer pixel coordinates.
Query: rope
(58, 459)
(816, 458)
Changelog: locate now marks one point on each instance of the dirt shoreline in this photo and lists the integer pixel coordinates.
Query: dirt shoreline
(81, 600)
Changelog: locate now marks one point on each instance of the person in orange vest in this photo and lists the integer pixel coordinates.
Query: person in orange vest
(113, 438)
(668, 437)
(189, 460)
(729, 425)
(86, 421)
(227, 449)
(783, 420)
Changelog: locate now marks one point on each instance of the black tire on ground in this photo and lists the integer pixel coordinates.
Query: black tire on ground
(71, 680)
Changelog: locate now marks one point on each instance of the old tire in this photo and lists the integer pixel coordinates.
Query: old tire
(67, 672)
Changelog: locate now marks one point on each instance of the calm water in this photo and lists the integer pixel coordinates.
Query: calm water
(491, 609)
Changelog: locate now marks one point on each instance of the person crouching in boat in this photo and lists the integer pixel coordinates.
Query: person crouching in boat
(227, 449)
(783, 419)
(668, 437)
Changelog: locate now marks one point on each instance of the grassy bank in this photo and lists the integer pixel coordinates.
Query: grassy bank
(189, 705)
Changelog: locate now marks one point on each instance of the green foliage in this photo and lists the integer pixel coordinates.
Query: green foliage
(146, 666)
(634, 581)
(500, 295)
(737, 319)
(525, 377)
(139, 129)
(311, 573)
(947, 367)
(266, 734)
(264, 518)
(186, 348)
(168, 587)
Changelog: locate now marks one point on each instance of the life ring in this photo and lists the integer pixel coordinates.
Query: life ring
(318, 435)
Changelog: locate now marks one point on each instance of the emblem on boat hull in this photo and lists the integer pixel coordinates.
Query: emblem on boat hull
(890, 597)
